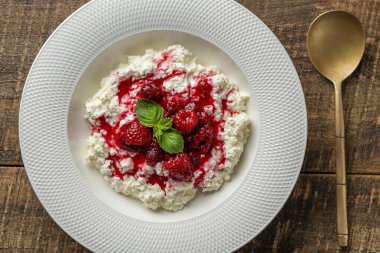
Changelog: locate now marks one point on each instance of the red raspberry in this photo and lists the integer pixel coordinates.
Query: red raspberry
(203, 119)
(202, 139)
(167, 156)
(174, 103)
(136, 136)
(196, 157)
(151, 91)
(185, 120)
(154, 154)
(180, 167)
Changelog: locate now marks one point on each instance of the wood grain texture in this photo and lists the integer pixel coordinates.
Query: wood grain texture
(306, 223)
(24, 27)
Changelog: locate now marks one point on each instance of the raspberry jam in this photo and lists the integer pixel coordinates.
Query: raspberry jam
(194, 113)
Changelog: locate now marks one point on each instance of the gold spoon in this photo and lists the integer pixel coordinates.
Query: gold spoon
(336, 42)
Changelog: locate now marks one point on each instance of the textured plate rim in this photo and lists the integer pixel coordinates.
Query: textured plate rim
(289, 62)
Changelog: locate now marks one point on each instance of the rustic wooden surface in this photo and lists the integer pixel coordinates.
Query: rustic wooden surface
(307, 222)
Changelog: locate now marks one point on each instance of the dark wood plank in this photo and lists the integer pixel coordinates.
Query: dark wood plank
(306, 223)
(289, 20)
(25, 25)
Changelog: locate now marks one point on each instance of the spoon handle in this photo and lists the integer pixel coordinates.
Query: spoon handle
(341, 188)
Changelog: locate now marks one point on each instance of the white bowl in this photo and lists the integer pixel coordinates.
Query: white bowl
(89, 44)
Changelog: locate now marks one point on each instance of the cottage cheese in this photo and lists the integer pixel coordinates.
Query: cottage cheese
(127, 171)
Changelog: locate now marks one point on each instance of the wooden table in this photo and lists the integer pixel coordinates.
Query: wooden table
(307, 222)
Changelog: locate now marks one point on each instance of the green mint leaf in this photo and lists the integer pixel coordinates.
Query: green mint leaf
(166, 124)
(148, 112)
(157, 131)
(171, 141)
(163, 124)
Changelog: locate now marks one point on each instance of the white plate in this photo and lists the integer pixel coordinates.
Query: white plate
(89, 44)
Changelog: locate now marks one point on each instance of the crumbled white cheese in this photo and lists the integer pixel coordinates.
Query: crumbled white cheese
(147, 169)
(176, 84)
(126, 165)
(160, 171)
(97, 153)
(153, 196)
(180, 54)
(97, 149)
(112, 151)
(138, 65)
(237, 101)
(105, 101)
(128, 119)
(235, 135)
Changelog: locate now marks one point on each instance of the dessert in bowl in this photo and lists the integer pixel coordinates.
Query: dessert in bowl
(164, 127)
(68, 71)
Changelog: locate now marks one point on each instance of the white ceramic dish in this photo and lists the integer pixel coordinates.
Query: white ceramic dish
(83, 50)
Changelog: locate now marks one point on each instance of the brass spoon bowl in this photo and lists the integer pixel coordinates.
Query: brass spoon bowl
(335, 43)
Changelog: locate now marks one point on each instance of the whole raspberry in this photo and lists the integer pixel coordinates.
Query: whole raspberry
(185, 120)
(151, 91)
(202, 139)
(136, 136)
(203, 119)
(154, 154)
(174, 103)
(180, 167)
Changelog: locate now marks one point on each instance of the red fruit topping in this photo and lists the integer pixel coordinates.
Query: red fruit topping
(185, 121)
(167, 156)
(196, 157)
(192, 106)
(151, 91)
(136, 136)
(204, 88)
(154, 154)
(124, 87)
(203, 119)
(156, 179)
(175, 103)
(180, 167)
(202, 139)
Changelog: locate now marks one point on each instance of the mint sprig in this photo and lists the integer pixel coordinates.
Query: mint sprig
(148, 112)
(171, 141)
(151, 114)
